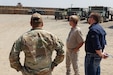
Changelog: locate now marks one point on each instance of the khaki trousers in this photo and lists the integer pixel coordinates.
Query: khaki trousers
(72, 58)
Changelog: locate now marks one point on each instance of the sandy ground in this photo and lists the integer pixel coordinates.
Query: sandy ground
(12, 26)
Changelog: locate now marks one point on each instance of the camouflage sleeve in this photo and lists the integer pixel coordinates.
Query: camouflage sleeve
(14, 55)
(59, 52)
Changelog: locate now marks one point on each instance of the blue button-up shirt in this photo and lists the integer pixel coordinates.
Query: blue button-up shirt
(95, 39)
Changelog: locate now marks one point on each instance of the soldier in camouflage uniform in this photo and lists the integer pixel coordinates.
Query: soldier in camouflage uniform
(38, 46)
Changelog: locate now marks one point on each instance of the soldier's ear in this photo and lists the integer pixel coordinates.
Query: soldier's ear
(31, 23)
(42, 24)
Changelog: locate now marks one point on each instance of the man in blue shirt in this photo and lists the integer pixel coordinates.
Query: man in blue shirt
(94, 45)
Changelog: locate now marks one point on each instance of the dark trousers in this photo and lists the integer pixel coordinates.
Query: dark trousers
(92, 64)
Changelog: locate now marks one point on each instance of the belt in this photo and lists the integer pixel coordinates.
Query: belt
(90, 53)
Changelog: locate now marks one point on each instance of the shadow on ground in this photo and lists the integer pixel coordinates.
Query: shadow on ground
(111, 27)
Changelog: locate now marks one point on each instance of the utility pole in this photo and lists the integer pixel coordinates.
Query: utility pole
(71, 6)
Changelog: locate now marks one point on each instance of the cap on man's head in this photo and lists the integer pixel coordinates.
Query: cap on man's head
(36, 17)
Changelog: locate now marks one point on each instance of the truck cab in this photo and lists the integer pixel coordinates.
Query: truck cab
(60, 13)
(103, 11)
(81, 12)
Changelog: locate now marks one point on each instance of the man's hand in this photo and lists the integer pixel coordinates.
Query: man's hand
(104, 55)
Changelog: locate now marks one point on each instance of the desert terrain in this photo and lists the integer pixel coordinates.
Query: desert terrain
(12, 26)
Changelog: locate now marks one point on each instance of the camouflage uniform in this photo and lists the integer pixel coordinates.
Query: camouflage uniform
(38, 46)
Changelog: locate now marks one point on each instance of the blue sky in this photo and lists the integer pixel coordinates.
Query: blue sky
(58, 3)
